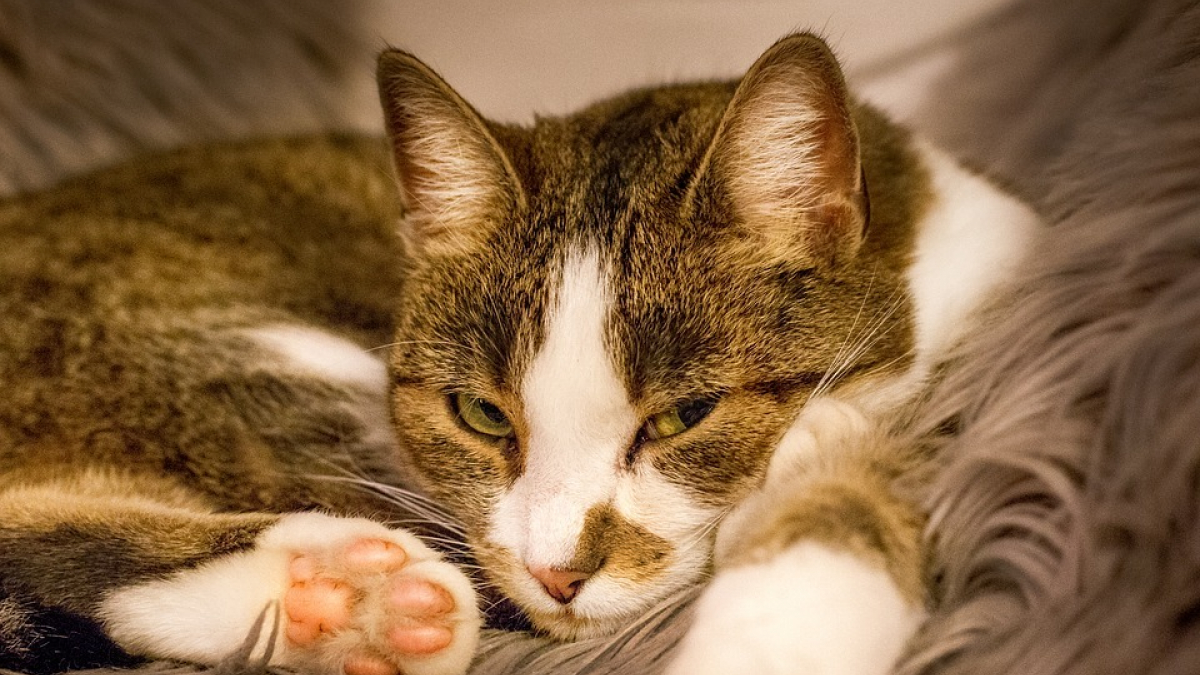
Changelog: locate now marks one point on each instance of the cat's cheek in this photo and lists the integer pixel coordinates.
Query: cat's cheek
(811, 609)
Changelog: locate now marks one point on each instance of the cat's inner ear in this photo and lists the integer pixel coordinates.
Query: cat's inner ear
(455, 181)
(785, 157)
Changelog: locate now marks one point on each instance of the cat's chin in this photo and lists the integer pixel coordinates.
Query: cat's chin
(569, 627)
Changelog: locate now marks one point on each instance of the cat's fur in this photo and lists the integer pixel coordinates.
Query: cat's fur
(183, 359)
(161, 398)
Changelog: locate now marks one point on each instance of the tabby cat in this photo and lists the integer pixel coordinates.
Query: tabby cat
(609, 333)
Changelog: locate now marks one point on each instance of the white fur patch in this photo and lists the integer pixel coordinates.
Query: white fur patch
(324, 355)
(825, 422)
(809, 610)
(968, 244)
(580, 423)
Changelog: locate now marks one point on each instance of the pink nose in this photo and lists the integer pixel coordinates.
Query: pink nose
(562, 585)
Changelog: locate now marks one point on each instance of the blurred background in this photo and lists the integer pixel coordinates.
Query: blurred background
(514, 58)
(87, 82)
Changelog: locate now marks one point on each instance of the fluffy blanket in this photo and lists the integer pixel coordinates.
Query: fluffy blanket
(1066, 527)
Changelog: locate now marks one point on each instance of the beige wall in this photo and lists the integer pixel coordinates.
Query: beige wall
(512, 59)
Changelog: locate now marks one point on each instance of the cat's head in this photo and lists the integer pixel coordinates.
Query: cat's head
(610, 318)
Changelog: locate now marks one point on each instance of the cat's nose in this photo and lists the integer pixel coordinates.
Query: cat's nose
(562, 584)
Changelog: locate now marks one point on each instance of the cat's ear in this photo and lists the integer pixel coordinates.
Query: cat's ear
(455, 180)
(784, 162)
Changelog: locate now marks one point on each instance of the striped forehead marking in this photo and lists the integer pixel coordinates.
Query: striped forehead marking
(579, 418)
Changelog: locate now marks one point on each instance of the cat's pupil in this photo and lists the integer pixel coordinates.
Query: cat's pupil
(492, 412)
(692, 412)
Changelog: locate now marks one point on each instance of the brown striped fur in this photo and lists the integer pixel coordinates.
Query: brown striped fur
(142, 426)
(723, 285)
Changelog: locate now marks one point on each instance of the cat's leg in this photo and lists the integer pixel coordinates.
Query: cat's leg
(822, 570)
(339, 594)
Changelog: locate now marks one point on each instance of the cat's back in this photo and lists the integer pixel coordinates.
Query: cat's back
(261, 223)
(158, 312)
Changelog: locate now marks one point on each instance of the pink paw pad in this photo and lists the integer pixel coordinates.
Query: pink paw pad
(422, 607)
(375, 555)
(314, 605)
(365, 589)
(365, 664)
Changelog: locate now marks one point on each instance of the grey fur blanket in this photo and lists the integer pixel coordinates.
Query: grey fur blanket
(1067, 519)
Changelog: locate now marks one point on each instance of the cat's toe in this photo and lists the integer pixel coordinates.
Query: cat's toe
(373, 601)
(314, 605)
(419, 639)
(366, 555)
(417, 597)
(366, 664)
(431, 623)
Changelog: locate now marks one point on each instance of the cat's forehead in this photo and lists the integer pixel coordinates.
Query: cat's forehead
(668, 321)
(635, 152)
(609, 185)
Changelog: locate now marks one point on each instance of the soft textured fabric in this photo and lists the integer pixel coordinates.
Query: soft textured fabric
(1068, 518)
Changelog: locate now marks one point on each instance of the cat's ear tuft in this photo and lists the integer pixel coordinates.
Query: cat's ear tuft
(455, 180)
(785, 158)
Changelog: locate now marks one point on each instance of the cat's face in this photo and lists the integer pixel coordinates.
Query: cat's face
(611, 318)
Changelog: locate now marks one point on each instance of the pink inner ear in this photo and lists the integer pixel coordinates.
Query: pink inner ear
(839, 234)
(454, 178)
(787, 154)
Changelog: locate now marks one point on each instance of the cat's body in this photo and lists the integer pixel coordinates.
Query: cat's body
(611, 330)
(181, 341)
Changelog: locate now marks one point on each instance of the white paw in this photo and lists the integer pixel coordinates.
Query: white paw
(826, 426)
(355, 598)
(810, 610)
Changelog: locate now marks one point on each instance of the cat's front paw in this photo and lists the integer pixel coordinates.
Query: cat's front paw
(372, 601)
(811, 609)
(353, 597)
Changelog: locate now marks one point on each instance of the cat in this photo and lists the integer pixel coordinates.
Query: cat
(681, 320)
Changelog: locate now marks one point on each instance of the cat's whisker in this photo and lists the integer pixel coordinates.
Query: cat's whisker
(829, 376)
(855, 346)
(339, 473)
(356, 474)
(422, 343)
(876, 330)
(879, 329)
(489, 606)
(858, 345)
(456, 545)
(423, 509)
(701, 535)
(400, 492)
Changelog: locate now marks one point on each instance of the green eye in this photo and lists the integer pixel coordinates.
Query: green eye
(678, 420)
(482, 416)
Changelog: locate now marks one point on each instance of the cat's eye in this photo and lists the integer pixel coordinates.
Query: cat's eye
(678, 419)
(482, 415)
